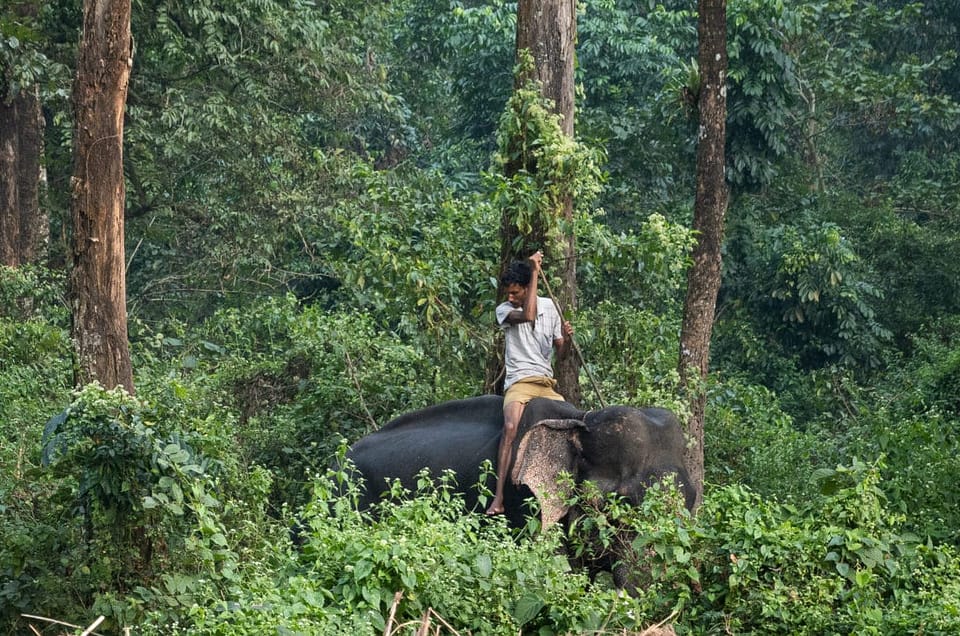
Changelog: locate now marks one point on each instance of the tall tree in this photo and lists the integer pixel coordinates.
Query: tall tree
(97, 278)
(546, 29)
(703, 277)
(24, 225)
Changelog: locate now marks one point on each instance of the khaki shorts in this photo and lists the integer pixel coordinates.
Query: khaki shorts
(528, 388)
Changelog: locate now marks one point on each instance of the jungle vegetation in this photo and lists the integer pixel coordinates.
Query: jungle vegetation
(313, 203)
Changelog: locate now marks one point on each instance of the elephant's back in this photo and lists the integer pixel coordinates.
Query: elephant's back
(421, 442)
(456, 436)
(483, 410)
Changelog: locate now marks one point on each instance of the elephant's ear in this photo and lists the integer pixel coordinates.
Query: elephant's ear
(544, 451)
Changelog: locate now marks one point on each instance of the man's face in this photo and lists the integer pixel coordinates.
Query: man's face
(516, 294)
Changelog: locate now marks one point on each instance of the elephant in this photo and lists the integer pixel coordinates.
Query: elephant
(620, 448)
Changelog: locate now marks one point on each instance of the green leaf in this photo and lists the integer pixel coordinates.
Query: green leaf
(484, 565)
(371, 595)
(362, 569)
(527, 607)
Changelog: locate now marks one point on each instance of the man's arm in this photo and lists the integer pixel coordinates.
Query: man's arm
(530, 302)
(528, 313)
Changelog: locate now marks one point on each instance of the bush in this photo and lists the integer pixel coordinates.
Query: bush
(751, 440)
(804, 286)
(139, 506)
(415, 554)
(912, 420)
(838, 563)
(36, 373)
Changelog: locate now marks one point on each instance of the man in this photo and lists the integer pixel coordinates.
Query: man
(533, 329)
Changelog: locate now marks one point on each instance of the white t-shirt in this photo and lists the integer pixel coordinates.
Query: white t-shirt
(529, 345)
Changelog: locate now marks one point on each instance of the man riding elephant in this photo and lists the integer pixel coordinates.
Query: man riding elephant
(620, 449)
(533, 329)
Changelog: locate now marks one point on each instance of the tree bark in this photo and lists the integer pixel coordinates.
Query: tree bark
(24, 225)
(547, 29)
(9, 188)
(97, 277)
(32, 179)
(703, 277)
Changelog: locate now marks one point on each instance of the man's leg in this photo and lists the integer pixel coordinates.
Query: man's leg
(511, 419)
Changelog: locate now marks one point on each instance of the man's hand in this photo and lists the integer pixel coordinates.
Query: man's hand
(536, 260)
(567, 330)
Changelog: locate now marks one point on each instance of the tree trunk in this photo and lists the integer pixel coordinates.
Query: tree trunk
(703, 278)
(32, 180)
(24, 226)
(9, 188)
(547, 29)
(97, 278)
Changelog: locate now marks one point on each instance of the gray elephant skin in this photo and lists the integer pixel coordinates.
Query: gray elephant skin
(620, 448)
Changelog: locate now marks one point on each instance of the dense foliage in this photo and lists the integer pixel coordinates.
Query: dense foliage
(314, 199)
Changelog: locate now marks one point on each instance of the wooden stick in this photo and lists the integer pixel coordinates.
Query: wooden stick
(93, 626)
(573, 343)
(88, 632)
(393, 612)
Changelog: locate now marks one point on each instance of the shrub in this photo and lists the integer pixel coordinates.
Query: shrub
(411, 555)
(912, 420)
(751, 440)
(838, 563)
(805, 287)
(35, 373)
(141, 506)
(637, 351)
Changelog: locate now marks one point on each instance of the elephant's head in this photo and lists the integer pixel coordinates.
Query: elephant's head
(621, 449)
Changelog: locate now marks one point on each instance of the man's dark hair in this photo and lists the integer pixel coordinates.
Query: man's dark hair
(518, 272)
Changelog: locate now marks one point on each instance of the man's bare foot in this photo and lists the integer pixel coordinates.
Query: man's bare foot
(495, 509)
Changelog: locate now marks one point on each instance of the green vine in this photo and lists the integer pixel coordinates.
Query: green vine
(537, 167)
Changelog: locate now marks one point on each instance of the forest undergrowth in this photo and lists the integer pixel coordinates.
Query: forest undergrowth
(169, 512)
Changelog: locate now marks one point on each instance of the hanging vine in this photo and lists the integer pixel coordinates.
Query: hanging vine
(537, 167)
